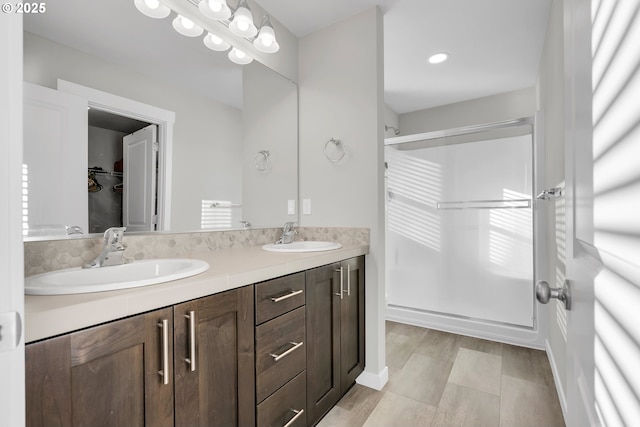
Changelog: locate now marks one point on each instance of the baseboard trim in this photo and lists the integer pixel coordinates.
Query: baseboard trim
(556, 379)
(373, 380)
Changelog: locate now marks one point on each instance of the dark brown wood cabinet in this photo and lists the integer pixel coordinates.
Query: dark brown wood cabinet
(103, 376)
(217, 388)
(335, 333)
(114, 374)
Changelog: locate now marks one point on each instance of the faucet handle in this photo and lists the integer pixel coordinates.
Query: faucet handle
(114, 235)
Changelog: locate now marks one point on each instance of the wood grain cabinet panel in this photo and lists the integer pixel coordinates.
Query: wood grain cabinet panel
(287, 405)
(103, 376)
(280, 352)
(335, 331)
(220, 389)
(279, 296)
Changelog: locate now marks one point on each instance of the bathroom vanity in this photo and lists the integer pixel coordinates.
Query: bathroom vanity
(265, 339)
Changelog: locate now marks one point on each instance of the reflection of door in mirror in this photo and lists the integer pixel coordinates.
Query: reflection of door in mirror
(122, 196)
(140, 172)
(74, 159)
(55, 162)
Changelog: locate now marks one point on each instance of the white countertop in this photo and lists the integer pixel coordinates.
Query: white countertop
(47, 316)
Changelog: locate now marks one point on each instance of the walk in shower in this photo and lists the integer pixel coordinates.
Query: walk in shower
(460, 230)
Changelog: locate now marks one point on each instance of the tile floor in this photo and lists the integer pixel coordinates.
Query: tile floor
(437, 379)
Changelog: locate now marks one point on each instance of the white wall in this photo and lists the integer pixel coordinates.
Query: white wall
(494, 108)
(207, 148)
(270, 122)
(551, 101)
(341, 96)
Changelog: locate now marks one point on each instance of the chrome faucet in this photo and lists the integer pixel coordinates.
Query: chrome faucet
(287, 233)
(112, 249)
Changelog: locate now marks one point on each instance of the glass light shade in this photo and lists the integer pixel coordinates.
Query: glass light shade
(242, 23)
(266, 40)
(186, 27)
(152, 8)
(215, 9)
(214, 42)
(239, 57)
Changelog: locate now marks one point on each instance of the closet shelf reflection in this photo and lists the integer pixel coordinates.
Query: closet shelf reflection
(100, 171)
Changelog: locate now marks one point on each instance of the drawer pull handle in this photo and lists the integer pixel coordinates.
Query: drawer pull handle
(296, 345)
(285, 296)
(298, 413)
(341, 293)
(348, 280)
(191, 360)
(164, 331)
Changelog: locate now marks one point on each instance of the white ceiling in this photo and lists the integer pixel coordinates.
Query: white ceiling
(495, 45)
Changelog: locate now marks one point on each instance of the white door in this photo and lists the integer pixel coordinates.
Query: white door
(56, 156)
(12, 402)
(603, 211)
(139, 178)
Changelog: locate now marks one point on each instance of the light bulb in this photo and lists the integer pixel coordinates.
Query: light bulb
(186, 27)
(214, 42)
(240, 54)
(187, 23)
(152, 8)
(243, 25)
(267, 41)
(216, 6)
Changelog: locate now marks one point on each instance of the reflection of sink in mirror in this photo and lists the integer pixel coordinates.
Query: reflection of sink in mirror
(138, 273)
(302, 246)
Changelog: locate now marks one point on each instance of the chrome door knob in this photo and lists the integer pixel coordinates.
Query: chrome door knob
(544, 293)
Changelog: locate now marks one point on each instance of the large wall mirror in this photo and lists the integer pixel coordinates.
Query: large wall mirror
(232, 157)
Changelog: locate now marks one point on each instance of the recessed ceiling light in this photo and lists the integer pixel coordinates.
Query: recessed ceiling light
(438, 58)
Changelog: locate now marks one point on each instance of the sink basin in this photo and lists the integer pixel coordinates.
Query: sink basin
(138, 273)
(302, 246)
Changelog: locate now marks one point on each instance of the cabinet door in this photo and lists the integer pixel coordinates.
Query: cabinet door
(352, 323)
(323, 340)
(103, 376)
(218, 387)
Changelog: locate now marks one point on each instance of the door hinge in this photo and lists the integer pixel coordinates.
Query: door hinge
(156, 146)
(154, 219)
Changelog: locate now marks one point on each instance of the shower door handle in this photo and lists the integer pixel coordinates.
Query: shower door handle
(544, 293)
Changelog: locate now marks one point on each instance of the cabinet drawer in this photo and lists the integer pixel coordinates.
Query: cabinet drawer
(279, 296)
(282, 406)
(280, 352)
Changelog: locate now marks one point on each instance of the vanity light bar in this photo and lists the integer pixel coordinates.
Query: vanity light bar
(238, 21)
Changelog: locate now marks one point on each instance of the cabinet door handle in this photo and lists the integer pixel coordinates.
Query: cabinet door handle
(298, 413)
(164, 344)
(296, 345)
(341, 293)
(191, 360)
(348, 280)
(285, 296)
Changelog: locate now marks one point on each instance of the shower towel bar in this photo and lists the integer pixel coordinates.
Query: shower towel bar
(485, 204)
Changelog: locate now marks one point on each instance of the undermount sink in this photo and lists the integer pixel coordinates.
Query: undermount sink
(302, 246)
(137, 273)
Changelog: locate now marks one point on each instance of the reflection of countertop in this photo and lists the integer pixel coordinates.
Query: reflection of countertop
(47, 316)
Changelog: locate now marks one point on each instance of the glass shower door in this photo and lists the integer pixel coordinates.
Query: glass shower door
(460, 229)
